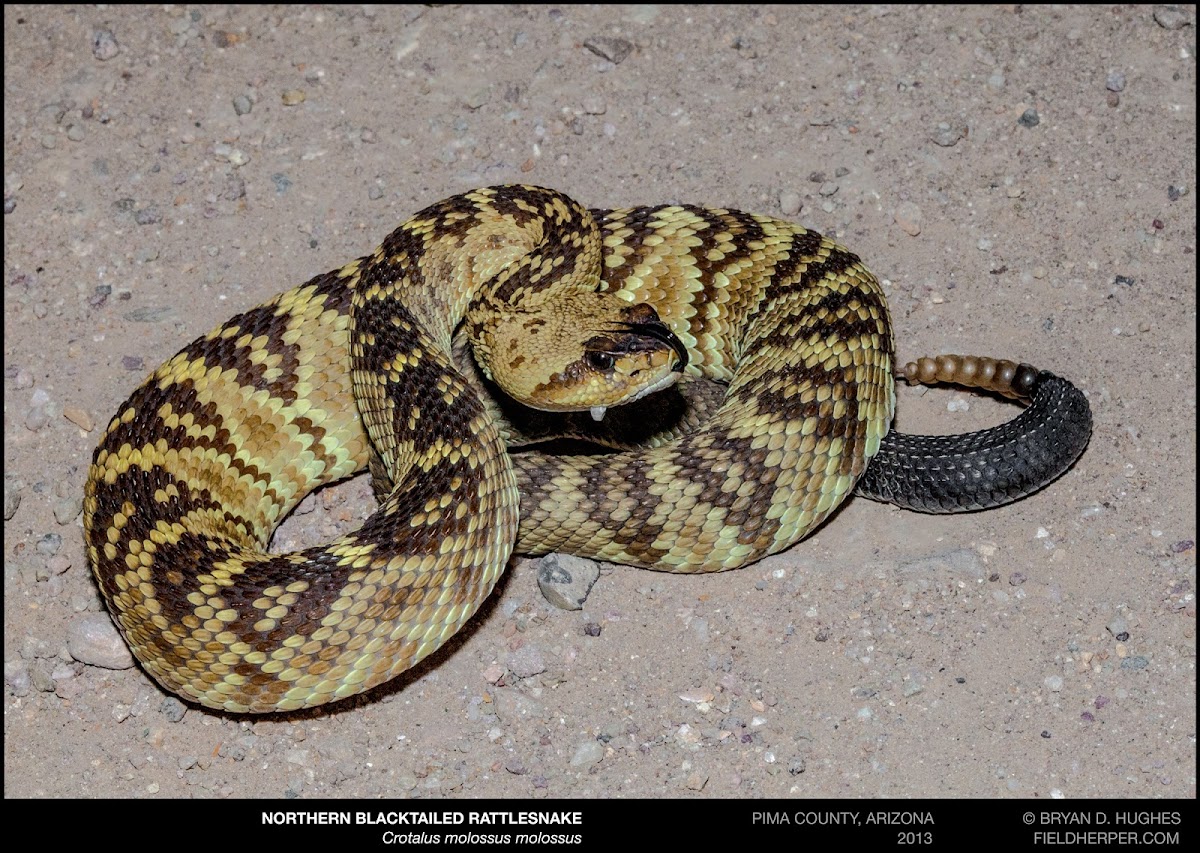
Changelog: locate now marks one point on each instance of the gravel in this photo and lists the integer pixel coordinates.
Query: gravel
(716, 105)
(104, 45)
(565, 580)
(615, 50)
(13, 486)
(587, 754)
(94, 640)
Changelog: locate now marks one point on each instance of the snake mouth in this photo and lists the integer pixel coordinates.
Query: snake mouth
(661, 332)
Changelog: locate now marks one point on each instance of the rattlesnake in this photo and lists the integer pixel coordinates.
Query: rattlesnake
(361, 367)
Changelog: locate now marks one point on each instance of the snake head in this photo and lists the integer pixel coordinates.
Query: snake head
(630, 353)
(602, 352)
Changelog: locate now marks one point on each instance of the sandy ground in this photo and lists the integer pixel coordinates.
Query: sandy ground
(1024, 179)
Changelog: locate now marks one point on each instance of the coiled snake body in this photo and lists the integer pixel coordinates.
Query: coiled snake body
(361, 366)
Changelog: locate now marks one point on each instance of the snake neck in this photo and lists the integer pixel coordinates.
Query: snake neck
(472, 255)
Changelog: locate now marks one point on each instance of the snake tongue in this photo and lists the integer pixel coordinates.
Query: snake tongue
(598, 412)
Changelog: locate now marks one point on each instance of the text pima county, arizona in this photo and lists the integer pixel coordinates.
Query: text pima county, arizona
(479, 818)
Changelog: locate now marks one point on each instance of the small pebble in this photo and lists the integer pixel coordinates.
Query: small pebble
(566, 580)
(526, 662)
(1054, 683)
(93, 639)
(242, 105)
(697, 695)
(66, 510)
(1029, 118)
(147, 216)
(39, 677)
(1171, 17)
(12, 495)
(789, 202)
(35, 647)
(613, 49)
(104, 45)
(292, 97)
(1117, 626)
(66, 681)
(49, 544)
(908, 218)
(79, 417)
(494, 673)
(594, 106)
(150, 314)
(226, 39)
(947, 135)
(1115, 82)
(179, 26)
(587, 753)
(478, 98)
(16, 677)
(235, 188)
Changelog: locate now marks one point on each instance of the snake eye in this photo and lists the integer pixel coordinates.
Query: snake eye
(599, 360)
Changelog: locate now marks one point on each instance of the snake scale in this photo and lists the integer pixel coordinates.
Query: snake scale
(393, 362)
